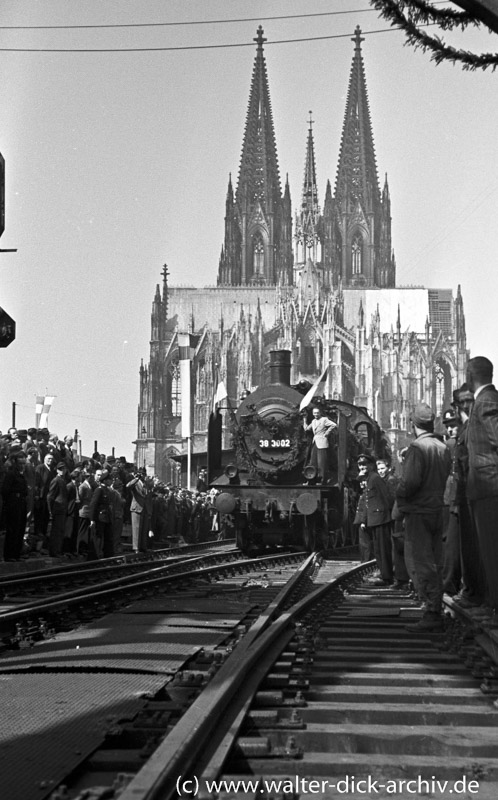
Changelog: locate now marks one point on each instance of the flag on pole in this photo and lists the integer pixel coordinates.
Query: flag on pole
(219, 395)
(42, 409)
(186, 347)
(215, 432)
(317, 388)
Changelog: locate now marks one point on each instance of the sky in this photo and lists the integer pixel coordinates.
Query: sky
(118, 162)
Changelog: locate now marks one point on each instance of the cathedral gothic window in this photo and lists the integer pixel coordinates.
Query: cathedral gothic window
(356, 255)
(442, 385)
(259, 257)
(176, 389)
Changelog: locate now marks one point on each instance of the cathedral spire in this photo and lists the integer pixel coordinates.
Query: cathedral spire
(356, 227)
(259, 177)
(307, 219)
(357, 179)
(165, 275)
(258, 221)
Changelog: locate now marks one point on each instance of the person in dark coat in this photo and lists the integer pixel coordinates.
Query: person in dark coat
(159, 521)
(473, 590)
(118, 503)
(85, 492)
(44, 475)
(378, 516)
(420, 497)
(201, 485)
(72, 518)
(365, 537)
(452, 568)
(14, 495)
(145, 527)
(171, 520)
(401, 576)
(57, 501)
(482, 482)
(101, 532)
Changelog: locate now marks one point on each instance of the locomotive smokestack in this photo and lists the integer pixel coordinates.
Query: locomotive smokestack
(280, 366)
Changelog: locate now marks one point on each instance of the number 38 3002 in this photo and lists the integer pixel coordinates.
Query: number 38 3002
(275, 443)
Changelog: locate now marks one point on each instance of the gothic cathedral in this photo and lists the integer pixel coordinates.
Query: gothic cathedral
(324, 288)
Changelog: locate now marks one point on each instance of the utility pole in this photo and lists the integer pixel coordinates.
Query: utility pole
(2, 205)
(7, 324)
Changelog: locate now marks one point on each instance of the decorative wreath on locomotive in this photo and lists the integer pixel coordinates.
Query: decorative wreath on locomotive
(270, 490)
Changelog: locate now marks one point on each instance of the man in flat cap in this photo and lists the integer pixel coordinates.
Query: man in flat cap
(420, 496)
(452, 570)
(378, 518)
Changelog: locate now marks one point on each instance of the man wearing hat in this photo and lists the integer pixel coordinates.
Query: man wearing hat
(378, 518)
(420, 496)
(44, 475)
(451, 423)
(100, 510)
(452, 571)
(57, 501)
(30, 439)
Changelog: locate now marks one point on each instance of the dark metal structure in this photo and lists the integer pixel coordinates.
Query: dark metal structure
(271, 491)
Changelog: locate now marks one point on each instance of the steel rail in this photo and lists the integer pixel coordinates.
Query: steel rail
(113, 562)
(108, 589)
(228, 693)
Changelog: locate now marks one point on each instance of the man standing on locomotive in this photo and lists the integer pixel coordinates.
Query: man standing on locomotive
(321, 427)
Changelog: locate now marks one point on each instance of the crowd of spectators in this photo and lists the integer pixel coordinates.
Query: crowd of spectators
(52, 503)
(432, 522)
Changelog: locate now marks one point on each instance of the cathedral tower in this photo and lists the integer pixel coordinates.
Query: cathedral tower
(307, 219)
(258, 223)
(357, 220)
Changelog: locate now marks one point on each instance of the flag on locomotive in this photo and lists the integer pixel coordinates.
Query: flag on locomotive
(293, 477)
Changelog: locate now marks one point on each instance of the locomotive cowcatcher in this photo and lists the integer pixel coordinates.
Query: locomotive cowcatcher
(270, 493)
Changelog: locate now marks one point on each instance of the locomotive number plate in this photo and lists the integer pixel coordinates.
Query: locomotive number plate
(275, 444)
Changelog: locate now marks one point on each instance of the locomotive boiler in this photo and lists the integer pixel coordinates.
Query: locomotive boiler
(270, 491)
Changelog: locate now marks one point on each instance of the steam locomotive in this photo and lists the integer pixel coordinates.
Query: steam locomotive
(270, 492)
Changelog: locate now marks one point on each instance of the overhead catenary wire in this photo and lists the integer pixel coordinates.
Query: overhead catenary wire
(233, 20)
(184, 47)
(184, 22)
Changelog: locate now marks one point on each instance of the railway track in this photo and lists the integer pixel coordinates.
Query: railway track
(337, 692)
(64, 698)
(51, 581)
(23, 624)
(292, 677)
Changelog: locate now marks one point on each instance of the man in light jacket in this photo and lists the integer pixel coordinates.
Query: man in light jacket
(321, 428)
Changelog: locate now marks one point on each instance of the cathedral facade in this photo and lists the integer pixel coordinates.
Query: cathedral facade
(322, 285)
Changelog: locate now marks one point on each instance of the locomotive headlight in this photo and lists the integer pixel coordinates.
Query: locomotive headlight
(231, 471)
(310, 472)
